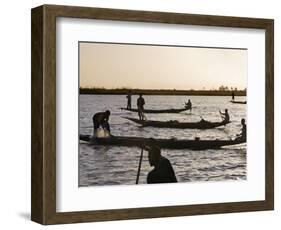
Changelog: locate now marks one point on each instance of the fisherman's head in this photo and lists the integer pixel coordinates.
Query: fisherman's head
(226, 110)
(154, 154)
(107, 113)
(243, 121)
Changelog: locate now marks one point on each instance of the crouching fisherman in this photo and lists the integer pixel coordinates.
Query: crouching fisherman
(163, 171)
(101, 125)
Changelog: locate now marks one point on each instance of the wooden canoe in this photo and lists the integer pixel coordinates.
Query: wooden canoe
(196, 144)
(239, 102)
(179, 125)
(158, 110)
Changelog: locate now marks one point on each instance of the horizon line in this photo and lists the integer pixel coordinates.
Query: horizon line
(170, 89)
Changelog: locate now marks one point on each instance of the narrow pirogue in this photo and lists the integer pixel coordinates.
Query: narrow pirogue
(158, 110)
(179, 125)
(239, 102)
(196, 144)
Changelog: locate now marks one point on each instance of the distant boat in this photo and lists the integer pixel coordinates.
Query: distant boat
(238, 102)
(159, 110)
(195, 144)
(179, 125)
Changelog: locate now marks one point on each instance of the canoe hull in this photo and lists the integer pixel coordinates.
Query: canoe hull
(162, 143)
(178, 125)
(158, 111)
(239, 102)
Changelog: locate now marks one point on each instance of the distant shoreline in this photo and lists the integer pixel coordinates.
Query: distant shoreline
(166, 92)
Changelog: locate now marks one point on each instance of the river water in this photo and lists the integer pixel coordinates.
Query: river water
(108, 165)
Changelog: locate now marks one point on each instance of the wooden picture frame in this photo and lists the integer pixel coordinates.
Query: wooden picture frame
(43, 207)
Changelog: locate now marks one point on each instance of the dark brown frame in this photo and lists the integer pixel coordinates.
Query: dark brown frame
(43, 189)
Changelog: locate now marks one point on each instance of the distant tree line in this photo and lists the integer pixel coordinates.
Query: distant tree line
(222, 91)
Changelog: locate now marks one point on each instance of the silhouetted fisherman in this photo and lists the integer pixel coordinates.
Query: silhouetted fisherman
(188, 105)
(233, 96)
(129, 100)
(225, 115)
(243, 134)
(163, 171)
(140, 105)
(101, 119)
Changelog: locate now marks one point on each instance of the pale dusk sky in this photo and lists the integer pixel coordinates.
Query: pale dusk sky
(161, 67)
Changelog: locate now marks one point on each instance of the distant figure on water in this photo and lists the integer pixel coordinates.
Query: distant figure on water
(163, 171)
(233, 96)
(243, 134)
(188, 105)
(140, 105)
(225, 115)
(100, 121)
(129, 100)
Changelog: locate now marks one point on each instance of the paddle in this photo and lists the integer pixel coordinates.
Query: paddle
(222, 117)
(138, 175)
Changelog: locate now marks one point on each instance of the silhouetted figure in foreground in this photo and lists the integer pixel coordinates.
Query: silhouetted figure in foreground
(140, 105)
(233, 96)
(163, 171)
(101, 120)
(225, 115)
(188, 105)
(129, 100)
(243, 134)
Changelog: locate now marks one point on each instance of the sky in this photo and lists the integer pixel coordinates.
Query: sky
(160, 67)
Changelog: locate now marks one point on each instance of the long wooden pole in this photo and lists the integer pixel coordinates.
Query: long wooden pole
(138, 175)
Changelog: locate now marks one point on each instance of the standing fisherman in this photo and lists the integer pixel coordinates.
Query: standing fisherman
(233, 95)
(129, 100)
(140, 105)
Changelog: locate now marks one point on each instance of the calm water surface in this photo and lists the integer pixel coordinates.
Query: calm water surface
(108, 165)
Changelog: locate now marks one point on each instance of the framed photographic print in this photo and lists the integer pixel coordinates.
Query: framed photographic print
(140, 114)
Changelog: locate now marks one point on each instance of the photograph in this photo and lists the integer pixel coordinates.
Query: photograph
(157, 113)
